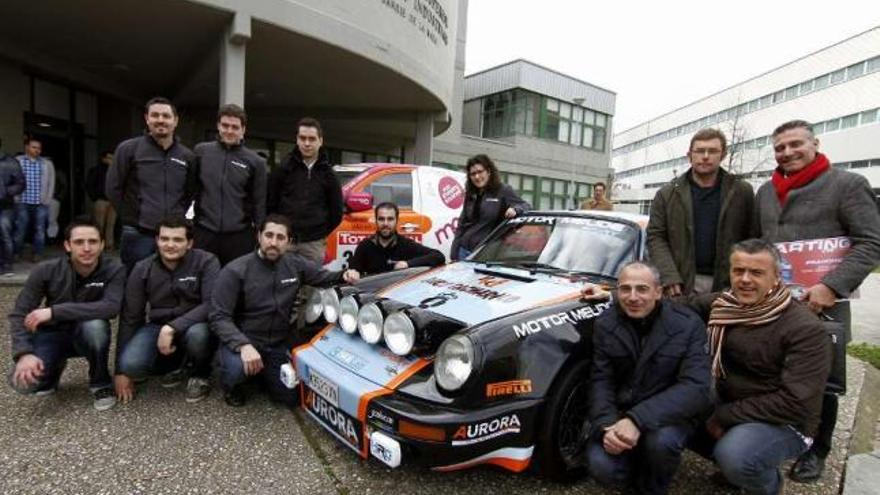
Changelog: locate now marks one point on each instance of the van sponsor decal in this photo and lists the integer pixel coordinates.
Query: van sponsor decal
(511, 387)
(451, 192)
(446, 232)
(487, 430)
(536, 325)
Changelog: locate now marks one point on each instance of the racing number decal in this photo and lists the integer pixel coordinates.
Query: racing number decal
(439, 299)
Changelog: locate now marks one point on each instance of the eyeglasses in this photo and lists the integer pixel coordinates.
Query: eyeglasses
(706, 151)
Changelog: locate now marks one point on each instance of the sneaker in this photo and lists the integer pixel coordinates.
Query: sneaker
(44, 392)
(235, 397)
(104, 398)
(197, 389)
(808, 468)
(172, 379)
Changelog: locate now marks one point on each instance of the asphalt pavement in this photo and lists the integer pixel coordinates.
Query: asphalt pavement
(159, 444)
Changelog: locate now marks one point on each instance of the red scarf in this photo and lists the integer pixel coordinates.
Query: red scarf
(800, 178)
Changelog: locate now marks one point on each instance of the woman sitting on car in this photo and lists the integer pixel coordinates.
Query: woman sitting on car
(487, 203)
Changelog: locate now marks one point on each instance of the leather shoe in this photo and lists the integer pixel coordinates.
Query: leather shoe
(235, 397)
(807, 468)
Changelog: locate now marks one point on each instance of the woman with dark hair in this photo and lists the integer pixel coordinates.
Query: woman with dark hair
(487, 203)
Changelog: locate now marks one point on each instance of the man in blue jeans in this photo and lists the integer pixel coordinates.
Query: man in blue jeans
(167, 297)
(771, 360)
(11, 185)
(650, 382)
(254, 308)
(32, 207)
(63, 311)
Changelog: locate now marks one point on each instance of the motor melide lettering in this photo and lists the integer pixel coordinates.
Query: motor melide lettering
(332, 416)
(531, 327)
(480, 432)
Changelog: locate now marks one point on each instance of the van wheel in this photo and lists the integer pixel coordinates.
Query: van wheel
(559, 449)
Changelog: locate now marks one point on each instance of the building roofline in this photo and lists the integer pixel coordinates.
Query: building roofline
(522, 60)
(749, 79)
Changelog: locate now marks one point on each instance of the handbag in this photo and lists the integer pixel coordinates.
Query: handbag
(836, 331)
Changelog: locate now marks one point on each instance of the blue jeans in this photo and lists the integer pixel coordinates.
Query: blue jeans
(7, 242)
(55, 344)
(27, 216)
(135, 246)
(651, 465)
(232, 372)
(749, 454)
(141, 357)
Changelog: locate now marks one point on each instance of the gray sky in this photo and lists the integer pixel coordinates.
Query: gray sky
(658, 56)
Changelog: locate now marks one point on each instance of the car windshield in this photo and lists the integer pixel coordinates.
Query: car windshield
(588, 245)
(345, 176)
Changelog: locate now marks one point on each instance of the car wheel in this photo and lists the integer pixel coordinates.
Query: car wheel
(559, 448)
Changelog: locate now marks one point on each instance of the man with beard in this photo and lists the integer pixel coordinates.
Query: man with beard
(152, 176)
(809, 199)
(388, 250)
(253, 310)
(167, 298)
(697, 217)
(63, 311)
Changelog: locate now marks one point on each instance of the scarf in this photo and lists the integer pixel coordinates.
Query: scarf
(728, 311)
(802, 177)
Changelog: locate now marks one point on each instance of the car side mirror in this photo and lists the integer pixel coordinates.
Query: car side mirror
(359, 201)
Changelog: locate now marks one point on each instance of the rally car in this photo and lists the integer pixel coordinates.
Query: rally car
(483, 361)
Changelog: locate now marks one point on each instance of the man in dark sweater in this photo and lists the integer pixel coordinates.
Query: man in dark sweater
(164, 322)
(388, 250)
(305, 190)
(253, 310)
(63, 311)
(231, 194)
(152, 177)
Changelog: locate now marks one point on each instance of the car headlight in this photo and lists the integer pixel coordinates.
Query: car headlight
(399, 333)
(370, 323)
(314, 306)
(454, 363)
(330, 300)
(348, 314)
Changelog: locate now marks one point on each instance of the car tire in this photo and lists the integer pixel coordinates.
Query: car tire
(559, 452)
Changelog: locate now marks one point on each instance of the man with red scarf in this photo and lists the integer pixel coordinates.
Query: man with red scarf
(808, 199)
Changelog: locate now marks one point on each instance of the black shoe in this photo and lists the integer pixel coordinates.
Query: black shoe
(807, 468)
(235, 397)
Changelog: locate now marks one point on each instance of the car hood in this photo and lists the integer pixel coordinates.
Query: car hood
(474, 293)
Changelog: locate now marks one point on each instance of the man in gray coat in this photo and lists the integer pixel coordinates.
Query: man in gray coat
(697, 217)
(808, 199)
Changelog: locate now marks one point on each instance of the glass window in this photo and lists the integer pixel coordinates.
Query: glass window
(821, 82)
(513, 180)
(588, 137)
(778, 96)
(791, 92)
(547, 185)
(766, 101)
(838, 76)
(832, 125)
(753, 105)
(599, 140)
(855, 70)
(874, 64)
(565, 110)
(849, 121)
(577, 114)
(528, 183)
(576, 134)
(806, 87)
(819, 128)
(553, 105)
(589, 117)
(563, 131)
(869, 116)
(393, 187)
(860, 164)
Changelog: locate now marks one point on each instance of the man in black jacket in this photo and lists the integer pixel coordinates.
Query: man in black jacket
(231, 194)
(650, 381)
(11, 185)
(81, 292)
(305, 190)
(167, 299)
(253, 310)
(153, 176)
(388, 250)
(96, 184)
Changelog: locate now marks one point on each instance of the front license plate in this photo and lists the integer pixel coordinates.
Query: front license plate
(335, 420)
(324, 387)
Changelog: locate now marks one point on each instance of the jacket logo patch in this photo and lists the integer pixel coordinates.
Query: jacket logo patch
(487, 430)
(238, 164)
(287, 281)
(188, 279)
(512, 387)
(179, 161)
(99, 285)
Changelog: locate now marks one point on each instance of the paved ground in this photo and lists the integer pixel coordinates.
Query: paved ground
(159, 444)
(866, 311)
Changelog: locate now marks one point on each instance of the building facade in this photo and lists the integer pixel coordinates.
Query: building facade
(837, 89)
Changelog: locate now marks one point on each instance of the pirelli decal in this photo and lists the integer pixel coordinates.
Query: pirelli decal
(512, 387)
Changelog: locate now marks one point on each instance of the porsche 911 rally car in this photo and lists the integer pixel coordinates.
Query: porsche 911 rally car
(483, 361)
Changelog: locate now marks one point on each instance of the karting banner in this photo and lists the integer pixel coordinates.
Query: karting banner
(804, 263)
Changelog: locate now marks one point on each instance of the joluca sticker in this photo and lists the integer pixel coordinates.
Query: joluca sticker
(451, 193)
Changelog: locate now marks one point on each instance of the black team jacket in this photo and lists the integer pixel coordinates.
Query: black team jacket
(231, 187)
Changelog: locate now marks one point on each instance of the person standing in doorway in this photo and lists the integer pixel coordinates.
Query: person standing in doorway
(105, 214)
(32, 207)
(11, 185)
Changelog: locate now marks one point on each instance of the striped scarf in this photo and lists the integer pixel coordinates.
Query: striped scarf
(728, 311)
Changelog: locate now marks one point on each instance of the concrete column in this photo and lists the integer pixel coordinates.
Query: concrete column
(424, 145)
(233, 47)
